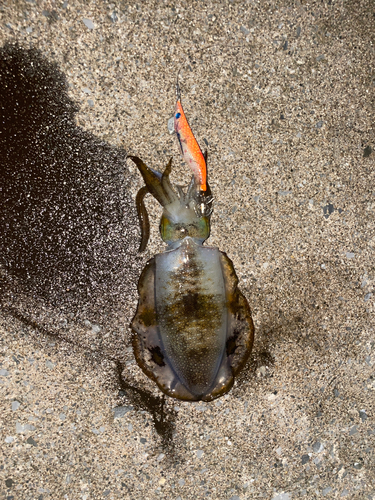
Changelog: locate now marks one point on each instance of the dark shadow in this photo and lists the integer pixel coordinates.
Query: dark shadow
(163, 420)
(68, 225)
(67, 220)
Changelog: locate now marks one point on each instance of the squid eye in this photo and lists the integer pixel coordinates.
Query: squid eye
(178, 115)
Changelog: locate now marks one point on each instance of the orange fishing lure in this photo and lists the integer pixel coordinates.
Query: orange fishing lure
(190, 149)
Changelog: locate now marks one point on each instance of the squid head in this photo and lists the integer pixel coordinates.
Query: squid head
(184, 214)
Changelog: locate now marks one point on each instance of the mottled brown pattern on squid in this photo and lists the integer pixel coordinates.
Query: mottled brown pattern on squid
(147, 346)
(192, 319)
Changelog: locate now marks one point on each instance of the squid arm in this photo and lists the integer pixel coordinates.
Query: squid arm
(159, 186)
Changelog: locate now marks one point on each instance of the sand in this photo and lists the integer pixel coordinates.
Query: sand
(282, 96)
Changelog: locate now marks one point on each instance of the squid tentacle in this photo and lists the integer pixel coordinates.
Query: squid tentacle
(144, 221)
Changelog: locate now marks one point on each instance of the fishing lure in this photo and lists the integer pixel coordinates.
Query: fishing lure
(193, 330)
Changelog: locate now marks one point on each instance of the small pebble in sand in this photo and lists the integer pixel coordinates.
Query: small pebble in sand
(88, 23)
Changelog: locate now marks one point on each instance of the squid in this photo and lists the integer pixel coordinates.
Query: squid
(192, 331)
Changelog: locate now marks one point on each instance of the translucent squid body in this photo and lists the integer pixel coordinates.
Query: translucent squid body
(193, 330)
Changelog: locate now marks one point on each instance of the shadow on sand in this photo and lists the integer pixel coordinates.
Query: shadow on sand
(69, 229)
